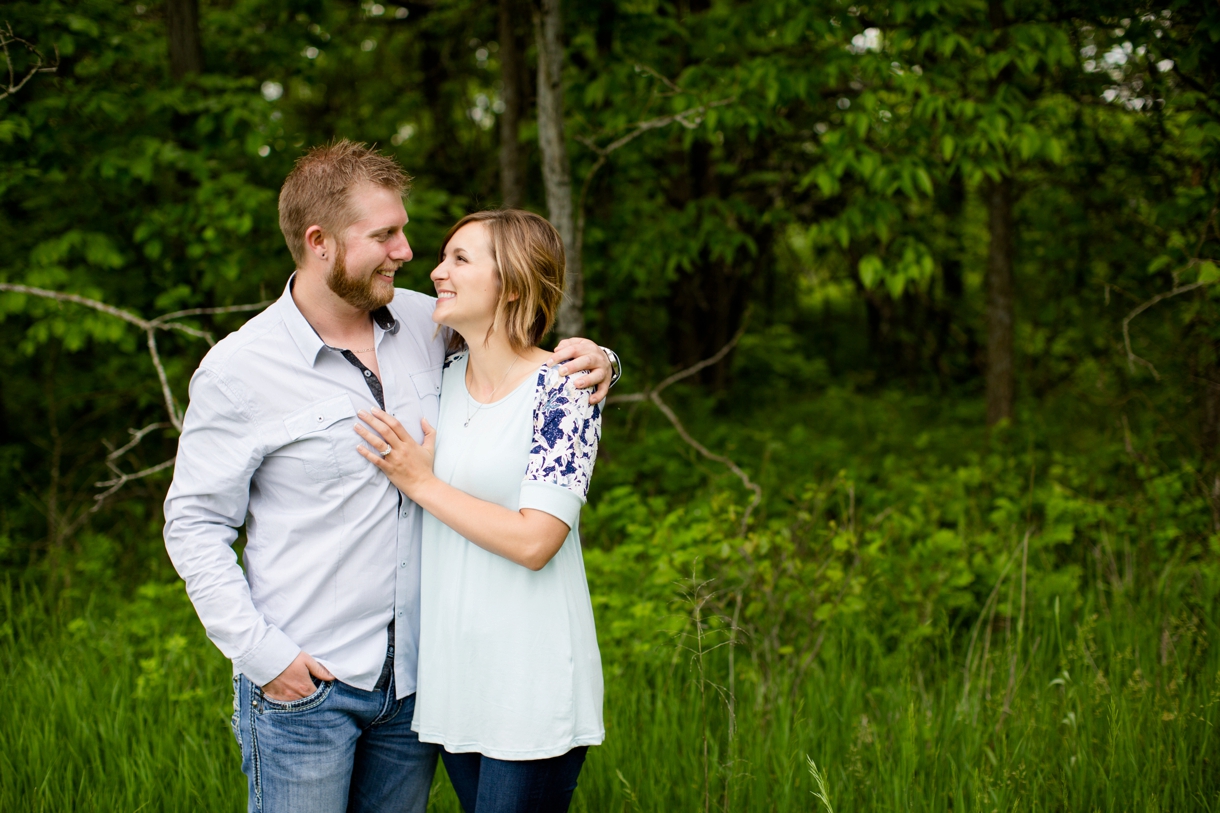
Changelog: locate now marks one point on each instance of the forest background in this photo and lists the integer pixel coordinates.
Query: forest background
(910, 497)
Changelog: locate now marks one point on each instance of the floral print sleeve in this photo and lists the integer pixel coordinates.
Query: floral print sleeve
(566, 433)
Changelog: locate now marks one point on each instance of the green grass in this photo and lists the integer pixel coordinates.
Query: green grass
(1001, 622)
(123, 705)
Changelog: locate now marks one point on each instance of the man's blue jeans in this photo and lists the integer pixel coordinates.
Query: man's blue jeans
(340, 750)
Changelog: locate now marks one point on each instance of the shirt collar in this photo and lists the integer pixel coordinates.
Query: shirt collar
(307, 339)
(385, 320)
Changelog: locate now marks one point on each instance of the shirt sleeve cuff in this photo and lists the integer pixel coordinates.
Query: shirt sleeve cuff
(271, 657)
(555, 500)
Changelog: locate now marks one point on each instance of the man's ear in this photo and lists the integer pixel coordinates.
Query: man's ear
(316, 242)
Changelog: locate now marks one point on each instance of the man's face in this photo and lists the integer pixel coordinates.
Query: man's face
(371, 249)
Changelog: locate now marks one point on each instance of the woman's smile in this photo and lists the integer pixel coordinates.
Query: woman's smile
(467, 262)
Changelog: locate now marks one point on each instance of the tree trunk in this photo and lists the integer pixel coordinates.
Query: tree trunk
(185, 46)
(706, 305)
(707, 301)
(556, 171)
(1206, 372)
(951, 198)
(1000, 302)
(512, 172)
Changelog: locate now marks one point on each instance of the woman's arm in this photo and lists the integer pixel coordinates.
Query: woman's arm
(528, 537)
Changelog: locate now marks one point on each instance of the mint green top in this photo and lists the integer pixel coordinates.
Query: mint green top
(508, 658)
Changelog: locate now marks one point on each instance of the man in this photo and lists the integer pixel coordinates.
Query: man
(323, 625)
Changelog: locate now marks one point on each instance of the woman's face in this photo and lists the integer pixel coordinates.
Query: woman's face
(467, 285)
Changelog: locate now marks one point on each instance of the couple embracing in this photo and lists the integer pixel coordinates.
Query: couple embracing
(410, 472)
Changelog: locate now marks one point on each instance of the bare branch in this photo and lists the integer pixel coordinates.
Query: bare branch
(681, 374)
(175, 417)
(654, 395)
(690, 119)
(1177, 289)
(118, 313)
(1131, 356)
(114, 485)
(159, 323)
(654, 73)
(137, 435)
(257, 306)
(150, 328)
(7, 38)
(707, 362)
(710, 455)
(164, 322)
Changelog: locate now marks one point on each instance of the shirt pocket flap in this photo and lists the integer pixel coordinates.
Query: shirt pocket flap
(427, 382)
(319, 416)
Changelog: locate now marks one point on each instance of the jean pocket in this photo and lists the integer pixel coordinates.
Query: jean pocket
(321, 690)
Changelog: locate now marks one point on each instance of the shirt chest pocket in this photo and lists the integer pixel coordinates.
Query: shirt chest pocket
(428, 389)
(322, 439)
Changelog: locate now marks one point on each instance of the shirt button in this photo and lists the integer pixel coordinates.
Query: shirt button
(321, 418)
(404, 514)
(400, 613)
(404, 564)
(368, 373)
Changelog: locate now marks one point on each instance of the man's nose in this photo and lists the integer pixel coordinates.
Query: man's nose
(402, 250)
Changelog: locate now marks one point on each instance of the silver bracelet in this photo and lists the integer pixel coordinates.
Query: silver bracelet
(616, 366)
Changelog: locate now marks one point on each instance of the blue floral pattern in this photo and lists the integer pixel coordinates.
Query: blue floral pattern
(567, 429)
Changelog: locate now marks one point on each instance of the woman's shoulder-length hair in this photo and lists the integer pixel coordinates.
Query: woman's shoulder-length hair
(530, 261)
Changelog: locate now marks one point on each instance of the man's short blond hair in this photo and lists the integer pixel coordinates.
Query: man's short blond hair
(318, 191)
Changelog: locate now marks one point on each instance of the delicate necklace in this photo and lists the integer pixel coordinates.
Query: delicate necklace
(490, 398)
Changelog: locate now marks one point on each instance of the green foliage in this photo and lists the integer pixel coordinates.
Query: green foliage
(835, 183)
(936, 616)
(954, 669)
(905, 529)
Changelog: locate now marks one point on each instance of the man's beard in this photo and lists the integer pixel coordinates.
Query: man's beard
(359, 293)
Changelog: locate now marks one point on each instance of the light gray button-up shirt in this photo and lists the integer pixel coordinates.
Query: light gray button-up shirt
(332, 553)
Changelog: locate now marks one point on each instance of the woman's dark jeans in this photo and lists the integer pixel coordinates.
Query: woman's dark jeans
(486, 785)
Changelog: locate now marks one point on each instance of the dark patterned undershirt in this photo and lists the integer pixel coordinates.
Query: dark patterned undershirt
(386, 321)
(373, 381)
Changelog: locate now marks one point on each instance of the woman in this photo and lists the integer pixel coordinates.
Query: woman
(510, 679)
